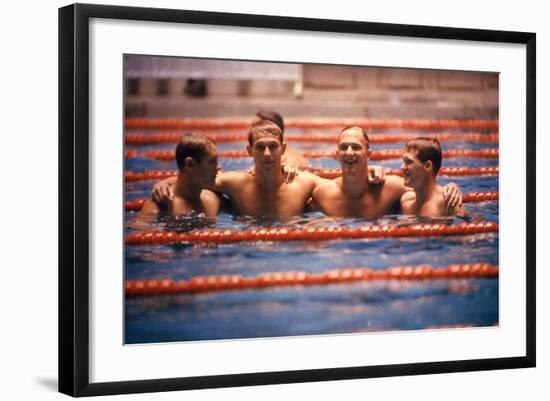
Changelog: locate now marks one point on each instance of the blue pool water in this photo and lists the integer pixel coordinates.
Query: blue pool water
(324, 309)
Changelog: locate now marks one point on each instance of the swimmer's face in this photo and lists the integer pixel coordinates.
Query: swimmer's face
(353, 151)
(208, 168)
(266, 150)
(414, 171)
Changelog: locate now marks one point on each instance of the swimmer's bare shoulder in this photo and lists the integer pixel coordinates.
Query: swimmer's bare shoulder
(229, 181)
(210, 197)
(435, 207)
(395, 186)
(390, 193)
(394, 181)
(211, 202)
(322, 195)
(309, 179)
(408, 200)
(326, 189)
(148, 213)
(408, 196)
(150, 208)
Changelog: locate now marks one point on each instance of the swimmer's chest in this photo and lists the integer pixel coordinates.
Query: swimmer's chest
(369, 206)
(434, 208)
(287, 200)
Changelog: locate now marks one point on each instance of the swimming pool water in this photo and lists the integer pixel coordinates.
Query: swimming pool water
(310, 310)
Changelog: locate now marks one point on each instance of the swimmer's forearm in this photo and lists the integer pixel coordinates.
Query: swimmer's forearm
(218, 183)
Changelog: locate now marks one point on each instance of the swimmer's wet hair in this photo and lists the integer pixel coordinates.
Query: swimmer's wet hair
(193, 145)
(365, 134)
(272, 116)
(426, 149)
(264, 127)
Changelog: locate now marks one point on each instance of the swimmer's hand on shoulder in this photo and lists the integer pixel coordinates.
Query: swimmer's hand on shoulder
(289, 173)
(452, 196)
(163, 191)
(377, 174)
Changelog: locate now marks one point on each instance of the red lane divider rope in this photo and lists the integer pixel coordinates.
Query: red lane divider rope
(134, 176)
(197, 284)
(206, 123)
(174, 137)
(134, 205)
(444, 171)
(309, 234)
(471, 197)
(474, 197)
(386, 154)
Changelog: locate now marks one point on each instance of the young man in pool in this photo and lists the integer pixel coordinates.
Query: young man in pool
(421, 163)
(292, 157)
(352, 195)
(197, 161)
(264, 193)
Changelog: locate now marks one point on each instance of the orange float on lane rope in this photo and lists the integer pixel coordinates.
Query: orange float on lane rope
(173, 137)
(197, 284)
(205, 123)
(385, 154)
(310, 234)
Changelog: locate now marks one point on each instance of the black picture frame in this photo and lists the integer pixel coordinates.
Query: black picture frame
(74, 198)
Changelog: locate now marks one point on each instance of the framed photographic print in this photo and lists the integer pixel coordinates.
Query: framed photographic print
(249, 199)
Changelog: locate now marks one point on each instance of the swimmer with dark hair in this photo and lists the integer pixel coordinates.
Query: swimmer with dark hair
(421, 162)
(197, 161)
(272, 116)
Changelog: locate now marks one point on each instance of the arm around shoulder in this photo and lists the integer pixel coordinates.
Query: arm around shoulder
(397, 184)
(312, 179)
(226, 181)
(321, 195)
(163, 190)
